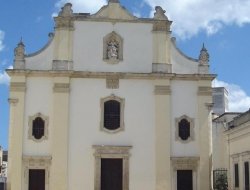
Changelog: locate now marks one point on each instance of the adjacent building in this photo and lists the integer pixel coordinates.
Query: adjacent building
(110, 103)
(3, 168)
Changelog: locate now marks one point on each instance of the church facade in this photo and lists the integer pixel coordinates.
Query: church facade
(110, 103)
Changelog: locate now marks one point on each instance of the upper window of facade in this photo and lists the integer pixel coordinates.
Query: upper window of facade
(112, 114)
(38, 127)
(112, 48)
(184, 129)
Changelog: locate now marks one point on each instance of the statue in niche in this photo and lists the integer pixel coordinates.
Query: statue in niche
(112, 49)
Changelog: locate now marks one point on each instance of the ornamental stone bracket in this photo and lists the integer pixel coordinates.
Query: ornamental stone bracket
(112, 82)
(13, 101)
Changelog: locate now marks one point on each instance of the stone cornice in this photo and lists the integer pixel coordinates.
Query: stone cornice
(103, 75)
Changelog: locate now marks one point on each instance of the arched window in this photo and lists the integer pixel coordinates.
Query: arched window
(112, 111)
(38, 128)
(112, 114)
(184, 129)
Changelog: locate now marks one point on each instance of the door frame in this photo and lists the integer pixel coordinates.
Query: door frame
(185, 163)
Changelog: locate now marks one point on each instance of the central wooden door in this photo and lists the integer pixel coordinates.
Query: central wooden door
(36, 179)
(184, 180)
(111, 174)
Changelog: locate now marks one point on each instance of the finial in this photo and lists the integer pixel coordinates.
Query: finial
(160, 13)
(66, 10)
(20, 50)
(204, 55)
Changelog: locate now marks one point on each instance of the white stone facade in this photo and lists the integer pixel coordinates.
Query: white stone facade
(66, 83)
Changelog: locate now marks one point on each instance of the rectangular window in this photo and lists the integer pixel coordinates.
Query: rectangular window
(111, 174)
(236, 175)
(36, 179)
(246, 166)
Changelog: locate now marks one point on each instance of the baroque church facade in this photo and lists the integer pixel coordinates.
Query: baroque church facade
(110, 103)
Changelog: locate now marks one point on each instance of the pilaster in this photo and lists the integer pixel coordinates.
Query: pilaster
(63, 49)
(161, 42)
(205, 128)
(162, 134)
(16, 128)
(59, 167)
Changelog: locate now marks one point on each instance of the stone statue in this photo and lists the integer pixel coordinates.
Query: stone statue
(160, 13)
(113, 48)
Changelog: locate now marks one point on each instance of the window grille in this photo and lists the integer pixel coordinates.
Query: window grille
(184, 129)
(38, 128)
(112, 113)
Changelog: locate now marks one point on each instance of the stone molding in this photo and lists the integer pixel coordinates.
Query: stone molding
(103, 75)
(104, 151)
(209, 106)
(46, 125)
(205, 91)
(61, 65)
(122, 105)
(61, 87)
(192, 135)
(161, 68)
(65, 18)
(162, 90)
(203, 68)
(37, 162)
(112, 82)
(162, 25)
(13, 101)
(113, 36)
(185, 163)
(18, 86)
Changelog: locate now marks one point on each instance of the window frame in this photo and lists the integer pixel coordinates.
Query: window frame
(191, 129)
(30, 130)
(122, 103)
